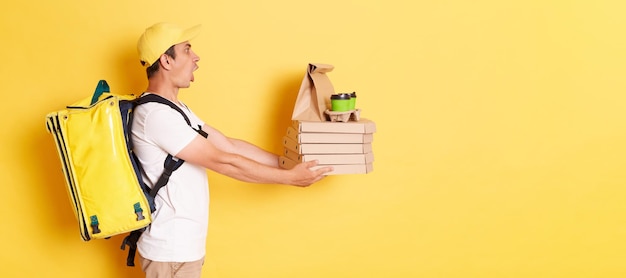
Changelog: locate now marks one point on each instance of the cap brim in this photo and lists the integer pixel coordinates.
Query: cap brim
(190, 33)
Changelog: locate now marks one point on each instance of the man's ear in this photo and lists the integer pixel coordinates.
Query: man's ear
(164, 59)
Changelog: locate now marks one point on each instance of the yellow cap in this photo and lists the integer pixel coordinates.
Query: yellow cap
(161, 36)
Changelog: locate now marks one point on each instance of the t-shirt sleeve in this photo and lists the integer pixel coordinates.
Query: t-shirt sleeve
(169, 130)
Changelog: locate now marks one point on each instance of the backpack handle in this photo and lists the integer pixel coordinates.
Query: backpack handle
(103, 87)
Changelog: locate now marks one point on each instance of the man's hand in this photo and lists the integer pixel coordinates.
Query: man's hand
(304, 176)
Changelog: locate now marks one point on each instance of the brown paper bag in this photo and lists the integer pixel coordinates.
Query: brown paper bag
(314, 96)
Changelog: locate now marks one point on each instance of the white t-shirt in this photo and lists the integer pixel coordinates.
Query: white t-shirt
(179, 224)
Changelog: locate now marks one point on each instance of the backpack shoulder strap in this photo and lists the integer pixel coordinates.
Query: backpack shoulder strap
(170, 165)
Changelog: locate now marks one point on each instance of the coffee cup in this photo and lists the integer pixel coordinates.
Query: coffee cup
(340, 102)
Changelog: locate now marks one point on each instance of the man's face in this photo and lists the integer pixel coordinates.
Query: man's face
(184, 65)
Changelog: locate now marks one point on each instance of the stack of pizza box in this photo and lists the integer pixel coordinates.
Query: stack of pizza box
(346, 146)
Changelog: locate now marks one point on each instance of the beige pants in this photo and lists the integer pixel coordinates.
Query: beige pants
(171, 269)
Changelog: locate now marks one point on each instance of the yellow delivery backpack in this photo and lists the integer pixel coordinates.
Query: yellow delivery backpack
(102, 174)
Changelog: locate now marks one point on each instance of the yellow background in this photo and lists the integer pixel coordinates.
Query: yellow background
(499, 152)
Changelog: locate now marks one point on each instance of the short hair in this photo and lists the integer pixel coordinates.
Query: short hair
(154, 68)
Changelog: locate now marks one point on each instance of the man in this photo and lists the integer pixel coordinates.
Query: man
(174, 244)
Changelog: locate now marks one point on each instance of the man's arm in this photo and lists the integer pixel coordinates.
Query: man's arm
(204, 152)
(240, 147)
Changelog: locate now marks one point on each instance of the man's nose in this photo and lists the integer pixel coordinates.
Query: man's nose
(196, 58)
